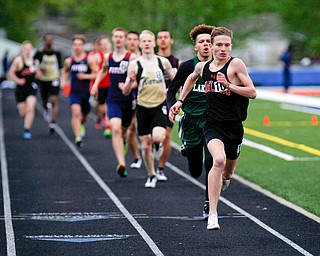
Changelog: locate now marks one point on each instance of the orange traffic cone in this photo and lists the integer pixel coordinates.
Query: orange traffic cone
(266, 121)
(314, 120)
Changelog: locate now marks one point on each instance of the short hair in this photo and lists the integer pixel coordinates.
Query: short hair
(165, 30)
(26, 42)
(79, 36)
(99, 38)
(221, 31)
(119, 29)
(147, 32)
(200, 29)
(45, 36)
(133, 32)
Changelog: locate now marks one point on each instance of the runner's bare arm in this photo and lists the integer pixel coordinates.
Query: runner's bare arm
(65, 73)
(15, 66)
(168, 68)
(100, 75)
(240, 76)
(94, 67)
(130, 79)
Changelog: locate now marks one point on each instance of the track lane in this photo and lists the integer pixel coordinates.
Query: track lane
(169, 214)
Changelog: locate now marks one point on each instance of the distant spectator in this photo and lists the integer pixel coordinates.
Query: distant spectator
(286, 59)
(5, 66)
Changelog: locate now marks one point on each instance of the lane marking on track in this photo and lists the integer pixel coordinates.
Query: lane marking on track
(11, 247)
(266, 192)
(109, 192)
(92, 216)
(283, 142)
(240, 210)
(78, 238)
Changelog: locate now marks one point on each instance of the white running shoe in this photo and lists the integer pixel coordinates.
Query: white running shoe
(205, 211)
(151, 182)
(161, 176)
(225, 184)
(157, 151)
(213, 223)
(52, 127)
(136, 164)
(46, 115)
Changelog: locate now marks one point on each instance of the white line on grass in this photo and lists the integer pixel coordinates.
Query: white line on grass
(243, 212)
(268, 150)
(109, 192)
(11, 247)
(277, 153)
(308, 110)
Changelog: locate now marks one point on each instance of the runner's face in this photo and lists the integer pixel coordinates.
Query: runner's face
(78, 46)
(203, 45)
(48, 41)
(119, 38)
(105, 45)
(221, 46)
(164, 40)
(132, 42)
(147, 43)
(26, 50)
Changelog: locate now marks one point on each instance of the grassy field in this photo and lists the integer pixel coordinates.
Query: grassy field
(290, 132)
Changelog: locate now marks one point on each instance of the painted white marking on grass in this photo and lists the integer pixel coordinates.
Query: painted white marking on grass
(308, 101)
(109, 192)
(308, 110)
(268, 150)
(243, 212)
(277, 153)
(11, 247)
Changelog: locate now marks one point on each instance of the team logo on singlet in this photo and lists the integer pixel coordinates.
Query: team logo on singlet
(82, 68)
(199, 88)
(150, 78)
(122, 69)
(28, 71)
(214, 86)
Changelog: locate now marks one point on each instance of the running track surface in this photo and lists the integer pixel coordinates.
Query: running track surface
(58, 200)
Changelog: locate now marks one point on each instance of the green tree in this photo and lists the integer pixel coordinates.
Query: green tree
(300, 21)
(302, 26)
(17, 16)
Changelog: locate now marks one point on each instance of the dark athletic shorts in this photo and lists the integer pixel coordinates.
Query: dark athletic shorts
(191, 130)
(102, 95)
(122, 110)
(83, 101)
(165, 110)
(48, 88)
(231, 136)
(148, 118)
(22, 92)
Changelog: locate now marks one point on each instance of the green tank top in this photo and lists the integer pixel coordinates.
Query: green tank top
(195, 102)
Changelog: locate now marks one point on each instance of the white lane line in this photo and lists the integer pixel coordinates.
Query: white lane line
(109, 192)
(243, 212)
(11, 246)
(276, 198)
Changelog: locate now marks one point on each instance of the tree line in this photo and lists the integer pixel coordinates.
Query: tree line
(300, 21)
